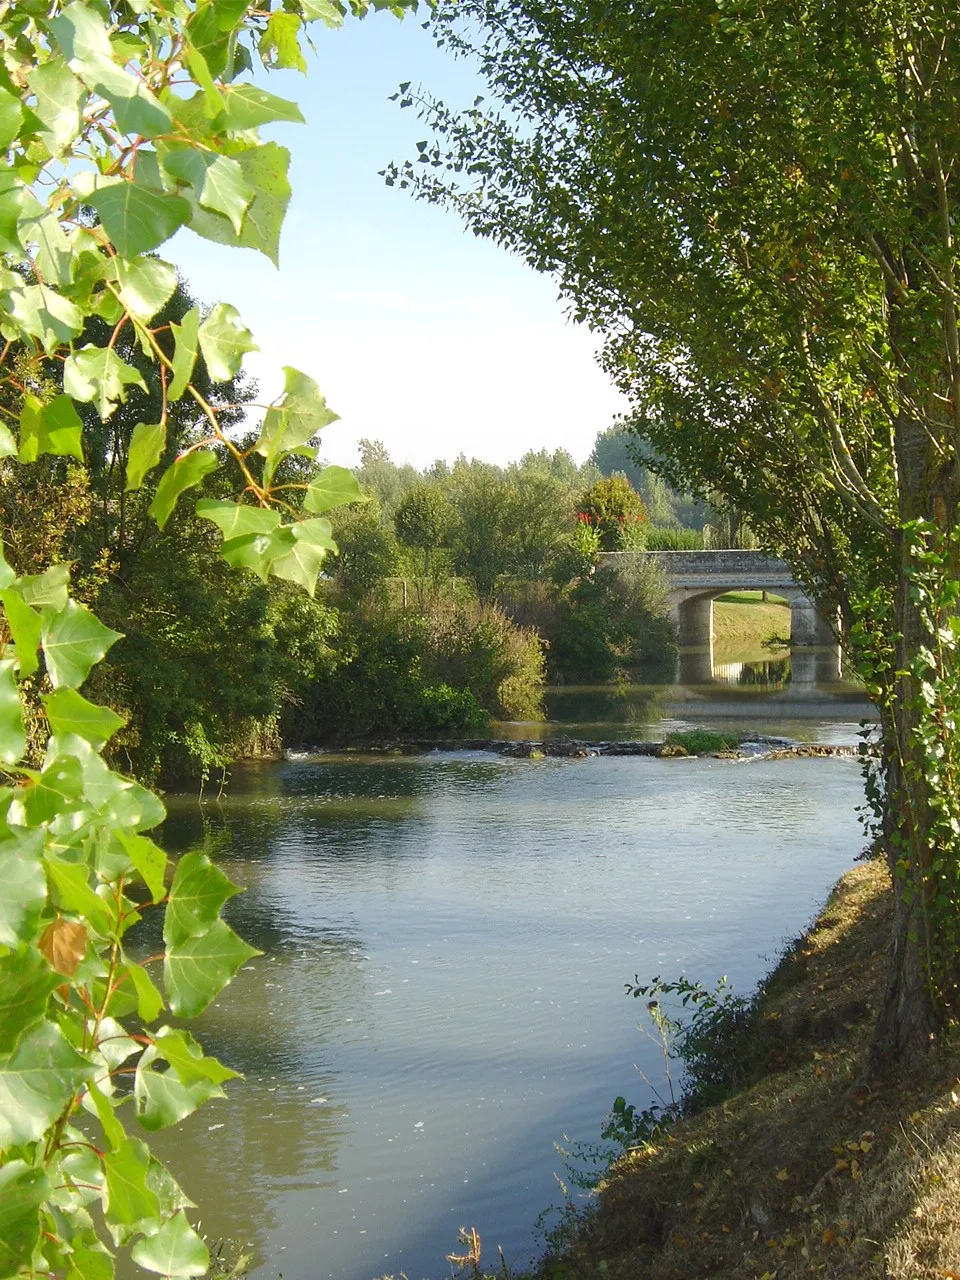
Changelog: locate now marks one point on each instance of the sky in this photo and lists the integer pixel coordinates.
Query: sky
(418, 333)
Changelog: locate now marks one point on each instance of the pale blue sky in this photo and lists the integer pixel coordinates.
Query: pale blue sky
(418, 333)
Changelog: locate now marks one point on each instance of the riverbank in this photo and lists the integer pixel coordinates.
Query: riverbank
(696, 742)
(803, 1168)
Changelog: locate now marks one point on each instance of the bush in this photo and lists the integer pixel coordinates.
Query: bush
(613, 621)
(447, 668)
(674, 540)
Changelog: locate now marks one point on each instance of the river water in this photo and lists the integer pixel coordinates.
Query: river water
(441, 999)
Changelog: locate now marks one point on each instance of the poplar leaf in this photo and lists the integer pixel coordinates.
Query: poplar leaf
(301, 564)
(35, 1081)
(148, 858)
(13, 740)
(24, 624)
(25, 985)
(279, 44)
(97, 375)
(144, 285)
(137, 218)
(73, 640)
(59, 95)
(186, 344)
(265, 169)
(129, 1204)
(23, 1188)
(146, 449)
(196, 970)
(70, 712)
(149, 999)
(333, 487)
(24, 888)
(198, 891)
(185, 473)
(45, 590)
(224, 339)
(174, 1250)
(246, 106)
(235, 519)
(217, 181)
(300, 414)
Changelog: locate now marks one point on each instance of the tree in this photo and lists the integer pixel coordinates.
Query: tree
(755, 203)
(612, 505)
(423, 519)
(482, 536)
(140, 114)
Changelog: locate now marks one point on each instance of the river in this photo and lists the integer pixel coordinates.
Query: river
(441, 999)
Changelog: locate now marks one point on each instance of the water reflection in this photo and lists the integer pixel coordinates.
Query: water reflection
(803, 671)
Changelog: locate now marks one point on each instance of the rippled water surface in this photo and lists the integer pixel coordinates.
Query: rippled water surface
(441, 997)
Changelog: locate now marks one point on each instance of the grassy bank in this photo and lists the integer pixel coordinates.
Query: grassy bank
(743, 620)
(803, 1168)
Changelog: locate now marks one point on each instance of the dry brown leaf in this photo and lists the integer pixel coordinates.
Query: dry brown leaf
(64, 943)
(782, 1176)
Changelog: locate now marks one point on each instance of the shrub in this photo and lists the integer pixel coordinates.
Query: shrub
(674, 539)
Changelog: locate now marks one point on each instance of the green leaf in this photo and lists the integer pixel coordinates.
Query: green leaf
(301, 565)
(279, 43)
(185, 473)
(69, 712)
(217, 181)
(148, 858)
(186, 345)
(188, 1059)
(145, 285)
(198, 891)
(113, 1130)
(149, 999)
(146, 449)
(163, 1099)
(53, 428)
(175, 1250)
(71, 892)
(73, 640)
(235, 519)
(93, 1263)
(26, 981)
(333, 487)
(247, 107)
(47, 589)
(59, 96)
(24, 888)
(13, 739)
(324, 10)
(136, 217)
(197, 970)
(47, 794)
(97, 375)
(300, 414)
(265, 169)
(83, 37)
(24, 624)
(36, 1081)
(129, 1204)
(8, 443)
(46, 315)
(223, 340)
(23, 1189)
(11, 117)
(257, 551)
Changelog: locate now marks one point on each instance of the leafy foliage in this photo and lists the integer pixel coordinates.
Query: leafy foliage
(119, 126)
(755, 205)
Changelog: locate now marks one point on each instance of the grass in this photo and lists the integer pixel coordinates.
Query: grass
(802, 1169)
(743, 622)
(699, 742)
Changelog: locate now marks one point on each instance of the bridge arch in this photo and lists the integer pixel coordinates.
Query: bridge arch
(696, 578)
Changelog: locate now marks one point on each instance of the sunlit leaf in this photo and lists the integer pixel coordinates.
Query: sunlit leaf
(147, 444)
(69, 712)
(35, 1081)
(175, 1250)
(196, 971)
(185, 473)
(72, 641)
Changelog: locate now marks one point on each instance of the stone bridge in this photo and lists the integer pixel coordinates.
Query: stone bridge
(696, 578)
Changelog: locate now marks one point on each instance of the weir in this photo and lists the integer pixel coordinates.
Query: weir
(696, 578)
